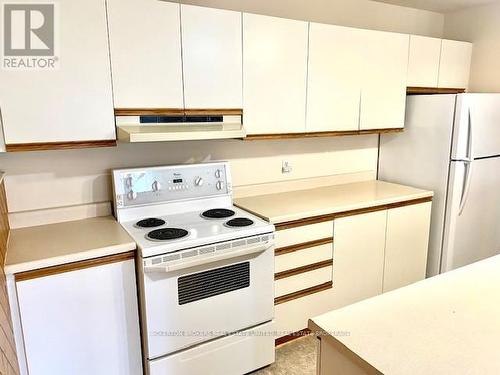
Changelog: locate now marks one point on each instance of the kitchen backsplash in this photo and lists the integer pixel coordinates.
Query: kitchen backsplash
(74, 178)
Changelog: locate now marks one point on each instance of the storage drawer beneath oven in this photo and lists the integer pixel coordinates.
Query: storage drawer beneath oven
(303, 257)
(230, 355)
(302, 281)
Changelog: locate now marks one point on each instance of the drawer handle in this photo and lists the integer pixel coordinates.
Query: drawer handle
(302, 246)
(303, 269)
(303, 293)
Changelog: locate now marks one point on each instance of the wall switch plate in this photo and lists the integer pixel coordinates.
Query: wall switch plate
(286, 167)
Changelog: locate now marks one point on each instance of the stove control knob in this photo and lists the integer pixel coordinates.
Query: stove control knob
(128, 181)
(198, 181)
(132, 195)
(218, 185)
(156, 186)
(217, 173)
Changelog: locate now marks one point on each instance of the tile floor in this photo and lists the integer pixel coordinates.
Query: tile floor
(297, 357)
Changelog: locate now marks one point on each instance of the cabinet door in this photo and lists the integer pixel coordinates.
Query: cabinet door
(454, 68)
(385, 68)
(145, 45)
(72, 102)
(211, 57)
(423, 66)
(82, 322)
(407, 245)
(358, 256)
(274, 74)
(334, 85)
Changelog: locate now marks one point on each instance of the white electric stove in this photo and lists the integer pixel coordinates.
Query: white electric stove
(205, 270)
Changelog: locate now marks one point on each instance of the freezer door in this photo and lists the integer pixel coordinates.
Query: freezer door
(477, 126)
(472, 226)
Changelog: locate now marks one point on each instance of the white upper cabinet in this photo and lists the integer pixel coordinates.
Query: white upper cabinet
(423, 66)
(145, 43)
(454, 68)
(334, 82)
(384, 74)
(72, 103)
(212, 57)
(274, 74)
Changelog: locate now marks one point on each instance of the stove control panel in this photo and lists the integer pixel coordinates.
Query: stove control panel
(140, 186)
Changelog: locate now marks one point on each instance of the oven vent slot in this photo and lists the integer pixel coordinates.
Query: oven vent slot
(211, 283)
(178, 119)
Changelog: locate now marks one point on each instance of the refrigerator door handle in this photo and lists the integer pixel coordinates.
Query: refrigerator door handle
(468, 177)
(470, 139)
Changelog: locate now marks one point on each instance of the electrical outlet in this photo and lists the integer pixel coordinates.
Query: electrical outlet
(286, 167)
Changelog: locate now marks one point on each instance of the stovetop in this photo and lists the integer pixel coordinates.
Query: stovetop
(153, 237)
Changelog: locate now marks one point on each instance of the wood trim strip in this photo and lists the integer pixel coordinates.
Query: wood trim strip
(292, 336)
(303, 293)
(213, 112)
(8, 355)
(17, 147)
(340, 133)
(305, 221)
(149, 111)
(433, 90)
(302, 246)
(328, 217)
(178, 111)
(303, 269)
(68, 267)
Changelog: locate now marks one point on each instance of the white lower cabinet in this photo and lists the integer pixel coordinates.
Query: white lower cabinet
(373, 253)
(82, 322)
(406, 245)
(358, 253)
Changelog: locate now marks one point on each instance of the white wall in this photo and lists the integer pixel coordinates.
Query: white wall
(481, 26)
(355, 13)
(42, 180)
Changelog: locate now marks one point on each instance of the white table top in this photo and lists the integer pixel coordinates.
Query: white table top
(448, 324)
(294, 205)
(55, 244)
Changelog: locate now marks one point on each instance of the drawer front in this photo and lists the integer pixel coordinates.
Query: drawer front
(293, 315)
(306, 233)
(302, 281)
(303, 257)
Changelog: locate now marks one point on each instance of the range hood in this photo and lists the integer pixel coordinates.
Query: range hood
(155, 125)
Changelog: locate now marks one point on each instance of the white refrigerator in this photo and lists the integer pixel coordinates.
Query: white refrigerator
(451, 145)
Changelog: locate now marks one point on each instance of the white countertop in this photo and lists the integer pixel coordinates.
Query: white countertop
(55, 244)
(295, 205)
(448, 324)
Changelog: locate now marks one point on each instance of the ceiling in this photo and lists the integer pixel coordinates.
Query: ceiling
(442, 6)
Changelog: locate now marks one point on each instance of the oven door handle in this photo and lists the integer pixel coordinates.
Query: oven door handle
(204, 260)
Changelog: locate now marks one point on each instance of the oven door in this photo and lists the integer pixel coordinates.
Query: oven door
(191, 305)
